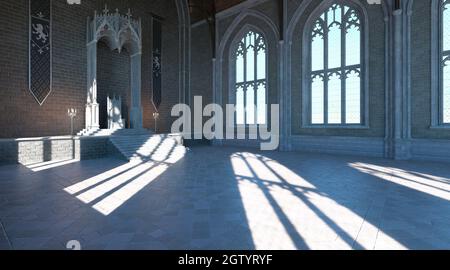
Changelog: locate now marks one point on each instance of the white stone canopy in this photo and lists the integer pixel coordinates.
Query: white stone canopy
(118, 31)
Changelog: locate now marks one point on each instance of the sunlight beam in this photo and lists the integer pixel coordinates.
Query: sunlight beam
(111, 189)
(50, 165)
(435, 186)
(118, 198)
(278, 200)
(98, 191)
(76, 188)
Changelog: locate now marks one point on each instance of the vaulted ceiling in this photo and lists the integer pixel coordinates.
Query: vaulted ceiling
(204, 9)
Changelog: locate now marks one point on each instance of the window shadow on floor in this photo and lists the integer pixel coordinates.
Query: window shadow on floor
(225, 198)
(385, 205)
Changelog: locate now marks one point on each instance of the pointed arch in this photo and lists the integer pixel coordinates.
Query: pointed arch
(335, 83)
(243, 15)
(300, 11)
(229, 36)
(248, 75)
(440, 63)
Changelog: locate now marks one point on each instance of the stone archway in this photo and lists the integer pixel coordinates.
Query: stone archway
(118, 31)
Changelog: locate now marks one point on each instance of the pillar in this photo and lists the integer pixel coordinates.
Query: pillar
(401, 94)
(92, 107)
(136, 121)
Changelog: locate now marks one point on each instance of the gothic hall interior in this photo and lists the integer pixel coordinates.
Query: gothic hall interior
(225, 124)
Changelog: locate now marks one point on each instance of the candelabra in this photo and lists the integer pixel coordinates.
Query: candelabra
(156, 117)
(72, 113)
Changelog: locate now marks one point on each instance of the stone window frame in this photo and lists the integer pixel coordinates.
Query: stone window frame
(364, 64)
(232, 71)
(437, 54)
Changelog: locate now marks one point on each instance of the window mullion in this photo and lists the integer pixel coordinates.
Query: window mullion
(325, 74)
(255, 75)
(245, 80)
(441, 66)
(343, 71)
(441, 69)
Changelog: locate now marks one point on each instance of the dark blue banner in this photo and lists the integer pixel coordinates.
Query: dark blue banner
(40, 65)
(157, 63)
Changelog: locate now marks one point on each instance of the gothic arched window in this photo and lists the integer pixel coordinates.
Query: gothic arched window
(251, 82)
(335, 54)
(445, 60)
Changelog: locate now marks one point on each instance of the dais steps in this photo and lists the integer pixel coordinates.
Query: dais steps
(142, 144)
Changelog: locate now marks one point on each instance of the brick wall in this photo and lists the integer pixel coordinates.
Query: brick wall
(269, 8)
(421, 74)
(21, 116)
(113, 78)
(201, 74)
(32, 151)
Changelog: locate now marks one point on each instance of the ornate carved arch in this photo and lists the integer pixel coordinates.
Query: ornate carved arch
(119, 31)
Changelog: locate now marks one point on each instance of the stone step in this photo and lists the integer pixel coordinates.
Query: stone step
(146, 146)
(114, 132)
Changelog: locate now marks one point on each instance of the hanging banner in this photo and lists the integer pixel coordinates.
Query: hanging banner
(40, 51)
(157, 63)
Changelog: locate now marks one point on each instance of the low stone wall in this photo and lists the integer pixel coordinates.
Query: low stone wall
(36, 150)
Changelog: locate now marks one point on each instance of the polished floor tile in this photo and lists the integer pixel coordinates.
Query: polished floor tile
(227, 198)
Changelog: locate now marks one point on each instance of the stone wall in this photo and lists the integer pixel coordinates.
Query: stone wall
(113, 78)
(399, 123)
(37, 150)
(201, 54)
(20, 114)
(421, 74)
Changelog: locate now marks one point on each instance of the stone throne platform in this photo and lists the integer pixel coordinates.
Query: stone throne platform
(129, 144)
(139, 144)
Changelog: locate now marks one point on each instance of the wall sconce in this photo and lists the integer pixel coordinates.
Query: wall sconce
(72, 113)
(156, 117)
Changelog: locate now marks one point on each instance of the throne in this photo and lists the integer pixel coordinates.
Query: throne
(115, 120)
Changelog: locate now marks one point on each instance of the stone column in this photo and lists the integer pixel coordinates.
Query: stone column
(284, 98)
(401, 106)
(136, 121)
(92, 107)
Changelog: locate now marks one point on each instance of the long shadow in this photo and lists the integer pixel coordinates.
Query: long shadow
(104, 180)
(116, 188)
(155, 150)
(194, 194)
(203, 190)
(429, 178)
(122, 172)
(127, 181)
(423, 175)
(361, 191)
(396, 175)
(296, 238)
(337, 229)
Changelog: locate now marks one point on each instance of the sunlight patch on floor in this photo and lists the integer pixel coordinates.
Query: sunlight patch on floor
(285, 211)
(109, 190)
(102, 189)
(43, 166)
(99, 178)
(432, 185)
(118, 198)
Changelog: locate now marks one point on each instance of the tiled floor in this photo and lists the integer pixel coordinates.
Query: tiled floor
(227, 198)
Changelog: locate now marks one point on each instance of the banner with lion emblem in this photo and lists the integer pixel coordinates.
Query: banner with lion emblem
(40, 65)
(157, 63)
